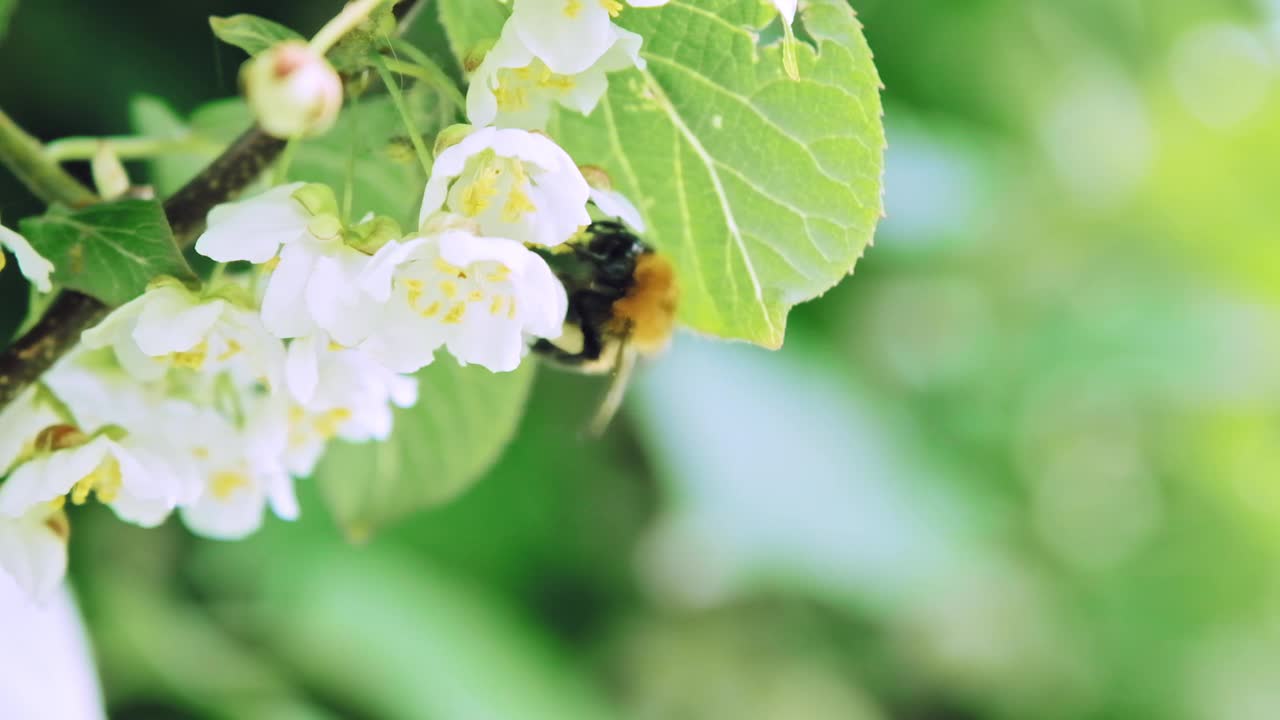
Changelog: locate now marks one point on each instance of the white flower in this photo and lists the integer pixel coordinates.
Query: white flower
(616, 205)
(514, 88)
(511, 184)
(31, 264)
(481, 297)
(239, 472)
(312, 284)
(569, 35)
(33, 550)
(46, 664)
(787, 8)
(136, 482)
(608, 201)
(169, 326)
(20, 422)
(292, 90)
(338, 392)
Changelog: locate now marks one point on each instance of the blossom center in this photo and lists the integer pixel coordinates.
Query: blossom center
(224, 483)
(104, 480)
(494, 180)
(192, 359)
(440, 289)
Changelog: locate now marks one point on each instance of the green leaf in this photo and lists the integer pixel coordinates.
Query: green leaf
(764, 191)
(6, 9)
(464, 419)
(250, 32)
(470, 24)
(110, 251)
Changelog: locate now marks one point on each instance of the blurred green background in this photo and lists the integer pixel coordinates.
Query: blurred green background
(1023, 464)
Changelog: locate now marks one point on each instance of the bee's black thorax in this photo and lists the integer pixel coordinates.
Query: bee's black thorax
(597, 271)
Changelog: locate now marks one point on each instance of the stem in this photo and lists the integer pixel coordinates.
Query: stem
(72, 313)
(429, 73)
(342, 23)
(25, 156)
(127, 147)
(415, 137)
(281, 172)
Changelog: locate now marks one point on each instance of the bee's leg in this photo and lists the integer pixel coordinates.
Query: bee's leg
(623, 366)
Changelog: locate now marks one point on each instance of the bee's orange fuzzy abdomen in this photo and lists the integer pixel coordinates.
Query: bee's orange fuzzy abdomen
(648, 311)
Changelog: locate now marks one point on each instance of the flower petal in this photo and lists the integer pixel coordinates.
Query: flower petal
(31, 264)
(254, 229)
(284, 306)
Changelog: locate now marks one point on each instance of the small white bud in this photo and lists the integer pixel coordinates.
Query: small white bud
(292, 90)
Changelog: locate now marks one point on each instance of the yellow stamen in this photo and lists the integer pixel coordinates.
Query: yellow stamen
(447, 267)
(613, 6)
(233, 349)
(554, 81)
(431, 309)
(105, 481)
(475, 296)
(327, 424)
(476, 196)
(449, 288)
(572, 8)
(415, 291)
(192, 359)
(511, 311)
(511, 97)
(59, 502)
(455, 314)
(517, 205)
(495, 306)
(224, 483)
(499, 275)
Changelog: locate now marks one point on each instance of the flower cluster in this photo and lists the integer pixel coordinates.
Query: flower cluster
(209, 402)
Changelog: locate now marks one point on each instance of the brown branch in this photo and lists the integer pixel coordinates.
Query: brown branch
(72, 313)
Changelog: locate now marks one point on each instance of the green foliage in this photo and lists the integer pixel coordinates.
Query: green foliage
(763, 190)
(370, 148)
(110, 251)
(470, 24)
(6, 9)
(441, 446)
(250, 32)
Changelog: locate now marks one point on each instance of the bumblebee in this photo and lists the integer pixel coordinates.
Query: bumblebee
(622, 304)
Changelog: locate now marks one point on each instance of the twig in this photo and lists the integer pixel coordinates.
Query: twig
(25, 156)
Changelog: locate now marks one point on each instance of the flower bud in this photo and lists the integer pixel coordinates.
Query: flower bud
(451, 136)
(292, 90)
